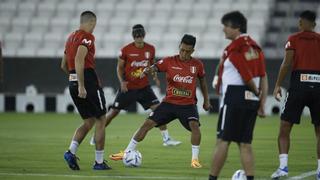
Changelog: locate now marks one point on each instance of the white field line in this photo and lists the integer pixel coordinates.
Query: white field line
(303, 175)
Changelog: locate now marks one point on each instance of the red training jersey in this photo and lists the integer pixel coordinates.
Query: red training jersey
(136, 59)
(306, 46)
(181, 79)
(76, 39)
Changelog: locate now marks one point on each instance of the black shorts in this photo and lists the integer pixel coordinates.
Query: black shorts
(94, 105)
(166, 112)
(237, 116)
(144, 96)
(295, 102)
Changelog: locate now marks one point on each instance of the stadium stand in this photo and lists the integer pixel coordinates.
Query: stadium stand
(38, 27)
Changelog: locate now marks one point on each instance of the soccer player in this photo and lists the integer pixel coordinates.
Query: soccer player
(242, 82)
(180, 101)
(134, 57)
(303, 58)
(86, 92)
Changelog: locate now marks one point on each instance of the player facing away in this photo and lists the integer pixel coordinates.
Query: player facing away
(242, 82)
(182, 72)
(302, 56)
(86, 92)
(133, 58)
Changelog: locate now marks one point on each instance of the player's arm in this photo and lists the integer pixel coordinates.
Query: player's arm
(284, 68)
(150, 70)
(79, 65)
(154, 75)
(120, 74)
(63, 64)
(263, 86)
(205, 94)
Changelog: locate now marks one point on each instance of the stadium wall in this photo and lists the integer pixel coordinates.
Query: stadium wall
(39, 85)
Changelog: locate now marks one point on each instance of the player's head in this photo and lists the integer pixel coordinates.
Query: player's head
(235, 23)
(138, 33)
(186, 47)
(88, 21)
(307, 20)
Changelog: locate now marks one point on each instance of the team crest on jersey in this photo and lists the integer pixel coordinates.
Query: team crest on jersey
(88, 42)
(147, 54)
(193, 69)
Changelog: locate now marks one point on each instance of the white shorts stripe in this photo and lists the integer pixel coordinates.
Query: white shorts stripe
(100, 101)
(223, 116)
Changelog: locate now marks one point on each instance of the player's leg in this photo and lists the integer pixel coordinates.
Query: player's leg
(291, 114)
(79, 135)
(166, 138)
(219, 157)
(148, 99)
(247, 159)
(195, 143)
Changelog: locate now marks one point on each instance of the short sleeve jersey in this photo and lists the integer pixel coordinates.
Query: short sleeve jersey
(76, 39)
(181, 79)
(136, 59)
(306, 46)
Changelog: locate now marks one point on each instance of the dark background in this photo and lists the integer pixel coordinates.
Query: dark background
(48, 78)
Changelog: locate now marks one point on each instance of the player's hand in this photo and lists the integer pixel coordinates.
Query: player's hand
(261, 112)
(124, 86)
(207, 106)
(82, 93)
(277, 93)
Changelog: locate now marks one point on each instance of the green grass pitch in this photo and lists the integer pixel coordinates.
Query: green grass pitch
(32, 147)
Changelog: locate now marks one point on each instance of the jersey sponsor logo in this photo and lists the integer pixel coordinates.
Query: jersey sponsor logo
(86, 41)
(288, 44)
(177, 68)
(136, 73)
(251, 54)
(193, 69)
(315, 78)
(183, 79)
(181, 92)
(147, 54)
(133, 55)
(143, 63)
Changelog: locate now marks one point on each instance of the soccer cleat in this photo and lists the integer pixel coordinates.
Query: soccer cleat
(280, 173)
(318, 175)
(195, 163)
(171, 142)
(117, 156)
(92, 141)
(71, 160)
(102, 166)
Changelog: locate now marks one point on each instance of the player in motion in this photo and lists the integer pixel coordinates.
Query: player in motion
(134, 57)
(303, 57)
(86, 92)
(180, 101)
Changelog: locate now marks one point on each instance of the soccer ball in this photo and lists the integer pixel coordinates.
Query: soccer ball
(132, 158)
(239, 175)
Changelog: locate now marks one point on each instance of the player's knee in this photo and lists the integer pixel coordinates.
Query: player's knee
(194, 126)
(148, 124)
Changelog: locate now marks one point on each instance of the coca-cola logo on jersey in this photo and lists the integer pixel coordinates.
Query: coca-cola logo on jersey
(183, 79)
(143, 63)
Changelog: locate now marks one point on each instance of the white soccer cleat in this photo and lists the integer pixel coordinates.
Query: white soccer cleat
(171, 142)
(280, 173)
(92, 141)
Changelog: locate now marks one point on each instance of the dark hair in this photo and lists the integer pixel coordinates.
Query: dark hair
(87, 16)
(189, 40)
(308, 15)
(236, 20)
(138, 31)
